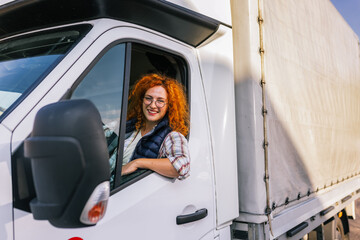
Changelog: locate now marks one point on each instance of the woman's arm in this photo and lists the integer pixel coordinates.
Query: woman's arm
(162, 166)
(174, 161)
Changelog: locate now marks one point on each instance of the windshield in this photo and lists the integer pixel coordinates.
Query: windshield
(25, 61)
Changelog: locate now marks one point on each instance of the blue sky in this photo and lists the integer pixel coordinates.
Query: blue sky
(350, 10)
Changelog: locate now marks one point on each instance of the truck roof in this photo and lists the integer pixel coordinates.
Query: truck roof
(162, 16)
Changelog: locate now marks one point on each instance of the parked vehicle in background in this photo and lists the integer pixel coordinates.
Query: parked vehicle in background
(273, 89)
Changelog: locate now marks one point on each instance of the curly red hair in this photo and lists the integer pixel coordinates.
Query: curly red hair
(178, 109)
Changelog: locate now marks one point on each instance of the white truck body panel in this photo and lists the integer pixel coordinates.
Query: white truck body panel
(216, 70)
(311, 67)
(301, 212)
(250, 135)
(313, 83)
(6, 205)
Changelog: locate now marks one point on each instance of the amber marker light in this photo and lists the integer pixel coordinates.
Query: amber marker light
(96, 213)
(95, 207)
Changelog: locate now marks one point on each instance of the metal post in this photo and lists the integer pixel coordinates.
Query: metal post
(258, 231)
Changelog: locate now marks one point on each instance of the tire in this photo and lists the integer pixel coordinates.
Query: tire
(334, 230)
(339, 230)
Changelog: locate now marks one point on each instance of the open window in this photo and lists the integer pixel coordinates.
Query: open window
(107, 84)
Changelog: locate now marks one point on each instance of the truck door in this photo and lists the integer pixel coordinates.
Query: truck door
(144, 205)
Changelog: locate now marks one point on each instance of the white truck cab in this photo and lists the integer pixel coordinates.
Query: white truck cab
(274, 115)
(99, 59)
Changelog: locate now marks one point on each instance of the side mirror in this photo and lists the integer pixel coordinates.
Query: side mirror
(70, 167)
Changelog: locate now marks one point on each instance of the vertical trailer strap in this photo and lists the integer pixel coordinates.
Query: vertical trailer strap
(264, 113)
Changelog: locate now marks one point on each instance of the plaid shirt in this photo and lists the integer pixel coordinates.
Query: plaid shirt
(174, 147)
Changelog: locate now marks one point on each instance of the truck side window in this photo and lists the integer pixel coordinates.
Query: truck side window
(107, 85)
(145, 60)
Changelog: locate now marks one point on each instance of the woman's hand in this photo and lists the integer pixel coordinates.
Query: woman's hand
(129, 168)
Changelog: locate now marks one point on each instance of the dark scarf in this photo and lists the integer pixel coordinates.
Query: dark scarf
(149, 145)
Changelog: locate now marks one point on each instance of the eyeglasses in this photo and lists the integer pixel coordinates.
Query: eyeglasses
(159, 103)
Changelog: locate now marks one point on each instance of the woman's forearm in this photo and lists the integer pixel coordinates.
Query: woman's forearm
(160, 165)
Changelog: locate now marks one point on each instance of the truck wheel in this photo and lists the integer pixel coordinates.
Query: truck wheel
(339, 230)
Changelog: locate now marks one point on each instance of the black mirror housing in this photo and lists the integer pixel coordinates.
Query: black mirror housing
(69, 159)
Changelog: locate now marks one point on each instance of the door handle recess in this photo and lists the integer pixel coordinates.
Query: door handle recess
(199, 214)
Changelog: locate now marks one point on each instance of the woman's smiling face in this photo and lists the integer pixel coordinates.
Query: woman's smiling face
(154, 98)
